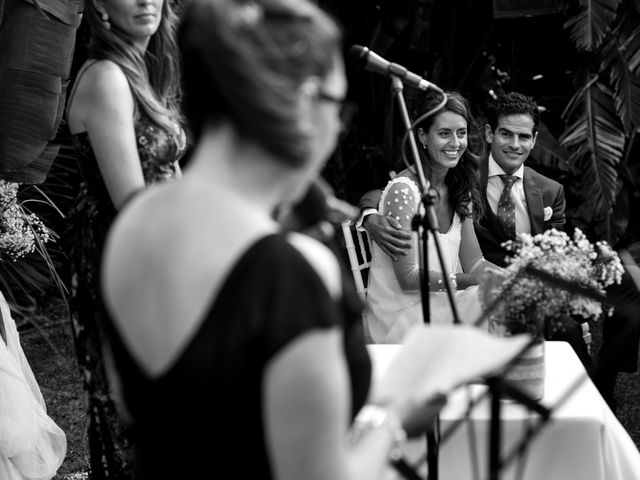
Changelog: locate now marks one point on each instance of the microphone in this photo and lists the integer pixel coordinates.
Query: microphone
(365, 58)
(318, 205)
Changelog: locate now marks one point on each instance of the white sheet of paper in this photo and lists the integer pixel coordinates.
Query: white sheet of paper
(438, 358)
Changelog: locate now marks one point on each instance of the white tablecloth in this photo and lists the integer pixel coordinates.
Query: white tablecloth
(582, 440)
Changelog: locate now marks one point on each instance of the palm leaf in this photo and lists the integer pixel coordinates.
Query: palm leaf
(630, 37)
(624, 42)
(589, 26)
(596, 142)
(626, 88)
(548, 152)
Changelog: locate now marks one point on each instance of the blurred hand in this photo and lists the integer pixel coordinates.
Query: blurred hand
(339, 211)
(418, 418)
(388, 235)
(490, 285)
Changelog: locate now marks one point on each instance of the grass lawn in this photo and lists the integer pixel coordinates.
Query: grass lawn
(51, 354)
(49, 349)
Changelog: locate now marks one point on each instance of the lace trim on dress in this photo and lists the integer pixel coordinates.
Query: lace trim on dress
(394, 183)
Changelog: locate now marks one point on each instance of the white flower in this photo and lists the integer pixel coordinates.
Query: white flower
(19, 230)
(593, 266)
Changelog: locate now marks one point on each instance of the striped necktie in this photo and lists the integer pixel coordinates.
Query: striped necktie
(507, 207)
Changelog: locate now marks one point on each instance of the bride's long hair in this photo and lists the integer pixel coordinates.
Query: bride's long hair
(463, 181)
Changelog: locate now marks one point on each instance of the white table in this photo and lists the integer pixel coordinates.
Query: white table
(582, 440)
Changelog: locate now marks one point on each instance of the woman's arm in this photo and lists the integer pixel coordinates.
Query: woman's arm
(471, 259)
(401, 203)
(307, 415)
(307, 408)
(108, 118)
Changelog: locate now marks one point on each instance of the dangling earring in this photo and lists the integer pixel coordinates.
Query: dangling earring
(105, 20)
(424, 145)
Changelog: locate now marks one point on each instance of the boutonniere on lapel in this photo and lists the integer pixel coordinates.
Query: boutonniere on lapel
(548, 211)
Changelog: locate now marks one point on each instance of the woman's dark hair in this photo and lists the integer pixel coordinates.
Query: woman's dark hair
(154, 75)
(463, 180)
(243, 61)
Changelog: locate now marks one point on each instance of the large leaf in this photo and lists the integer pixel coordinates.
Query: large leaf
(596, 142)
(629, 35)
(548, 152)
(625, 83)
(620, 57)
(589, 26)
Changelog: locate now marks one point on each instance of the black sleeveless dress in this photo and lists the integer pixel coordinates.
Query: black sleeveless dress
(203, 416)
(88, 222)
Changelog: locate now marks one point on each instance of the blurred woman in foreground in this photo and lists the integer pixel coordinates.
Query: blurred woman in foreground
(223, 327)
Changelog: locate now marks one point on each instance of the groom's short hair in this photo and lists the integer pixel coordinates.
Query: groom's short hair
(512, 103)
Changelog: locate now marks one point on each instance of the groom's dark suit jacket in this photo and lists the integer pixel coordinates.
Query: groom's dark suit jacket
(540, 193)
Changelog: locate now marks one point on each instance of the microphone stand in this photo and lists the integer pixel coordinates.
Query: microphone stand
(428, 222)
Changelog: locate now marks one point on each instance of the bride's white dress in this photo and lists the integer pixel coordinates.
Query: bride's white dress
(32, 446)
(390, 310)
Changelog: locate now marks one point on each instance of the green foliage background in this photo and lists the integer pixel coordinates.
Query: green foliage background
(580, 59)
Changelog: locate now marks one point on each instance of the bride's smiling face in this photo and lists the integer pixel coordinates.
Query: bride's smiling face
(446, 140)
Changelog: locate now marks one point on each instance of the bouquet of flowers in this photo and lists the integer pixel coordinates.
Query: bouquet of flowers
(519, 303)
(20, 231)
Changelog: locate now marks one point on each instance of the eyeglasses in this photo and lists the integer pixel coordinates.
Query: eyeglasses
(347, 108)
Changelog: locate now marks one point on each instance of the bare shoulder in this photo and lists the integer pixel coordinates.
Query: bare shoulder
(103, 87)
(101, 81)
(104, 76)
(322, 259)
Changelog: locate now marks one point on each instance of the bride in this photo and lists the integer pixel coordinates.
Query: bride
(393, 294)
(32, 446)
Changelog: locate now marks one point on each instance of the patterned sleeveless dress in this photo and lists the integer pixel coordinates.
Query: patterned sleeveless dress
(109, 440)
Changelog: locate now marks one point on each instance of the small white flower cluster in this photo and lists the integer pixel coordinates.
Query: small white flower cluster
(594, 266)
(19, 230)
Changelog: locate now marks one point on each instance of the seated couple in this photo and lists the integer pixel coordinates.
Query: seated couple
(472, 199)
(450, 153)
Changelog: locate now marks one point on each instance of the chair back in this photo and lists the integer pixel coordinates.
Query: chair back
(586, 335)
(359, 256)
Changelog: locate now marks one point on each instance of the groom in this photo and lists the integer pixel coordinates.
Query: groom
(539, 204)
(537, 201)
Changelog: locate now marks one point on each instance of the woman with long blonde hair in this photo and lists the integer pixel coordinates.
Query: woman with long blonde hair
(125, 125)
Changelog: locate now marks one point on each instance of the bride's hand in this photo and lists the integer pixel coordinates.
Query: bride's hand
(490, 285)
